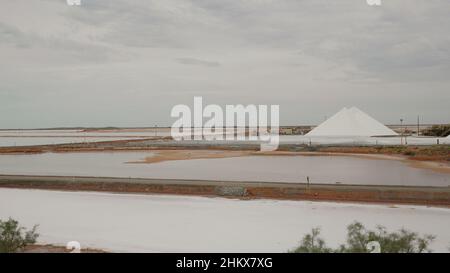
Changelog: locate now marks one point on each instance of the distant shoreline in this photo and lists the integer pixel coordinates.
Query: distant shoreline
(437, 153)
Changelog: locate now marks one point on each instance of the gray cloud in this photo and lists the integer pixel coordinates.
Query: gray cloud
(13, 36)
(193, 61)
(312, 57)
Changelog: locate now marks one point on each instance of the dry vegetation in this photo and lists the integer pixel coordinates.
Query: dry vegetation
(421, 153)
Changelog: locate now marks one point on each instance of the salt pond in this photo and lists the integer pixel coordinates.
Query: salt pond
(34, 141)
(291, 169)
(41, 137)
(11, 138)
(156, 223)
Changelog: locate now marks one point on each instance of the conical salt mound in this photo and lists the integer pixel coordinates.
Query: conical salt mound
(351, 122)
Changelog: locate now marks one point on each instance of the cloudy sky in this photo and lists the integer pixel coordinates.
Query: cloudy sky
(128, 62)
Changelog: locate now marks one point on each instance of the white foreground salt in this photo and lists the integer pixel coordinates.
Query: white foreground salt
(155, 223)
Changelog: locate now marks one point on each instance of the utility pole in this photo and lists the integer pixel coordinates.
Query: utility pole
(307, 185)
(418, 125)
(401, 128)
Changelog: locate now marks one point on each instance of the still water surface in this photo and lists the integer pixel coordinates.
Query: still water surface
(291, 169)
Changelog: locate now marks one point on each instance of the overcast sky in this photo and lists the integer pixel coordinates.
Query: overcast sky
(127, 62)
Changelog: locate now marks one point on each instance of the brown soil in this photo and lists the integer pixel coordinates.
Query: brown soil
(56, 249)
(243, 190)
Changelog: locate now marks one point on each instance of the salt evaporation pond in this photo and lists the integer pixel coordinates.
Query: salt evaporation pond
(44, 137)
(34, 141)
(86, 133)
(291, 169)
(12, 138)
(159, 223)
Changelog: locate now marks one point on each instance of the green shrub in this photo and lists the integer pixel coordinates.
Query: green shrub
(438, 131)
(14, 238)
(409, 153)
(358, 237)
(312, 243)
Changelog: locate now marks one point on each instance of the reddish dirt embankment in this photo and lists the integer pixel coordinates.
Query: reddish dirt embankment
(243, 190)
(56, 249)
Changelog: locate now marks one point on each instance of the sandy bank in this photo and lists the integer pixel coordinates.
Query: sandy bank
(170, 155)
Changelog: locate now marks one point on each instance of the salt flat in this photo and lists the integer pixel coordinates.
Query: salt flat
(154, 223)
(36, 141)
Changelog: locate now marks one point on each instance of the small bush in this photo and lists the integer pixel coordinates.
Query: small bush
(311, 148)
(358, 237)
(438, 131)
(409, 153)
(14, 238)
(312, 243)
